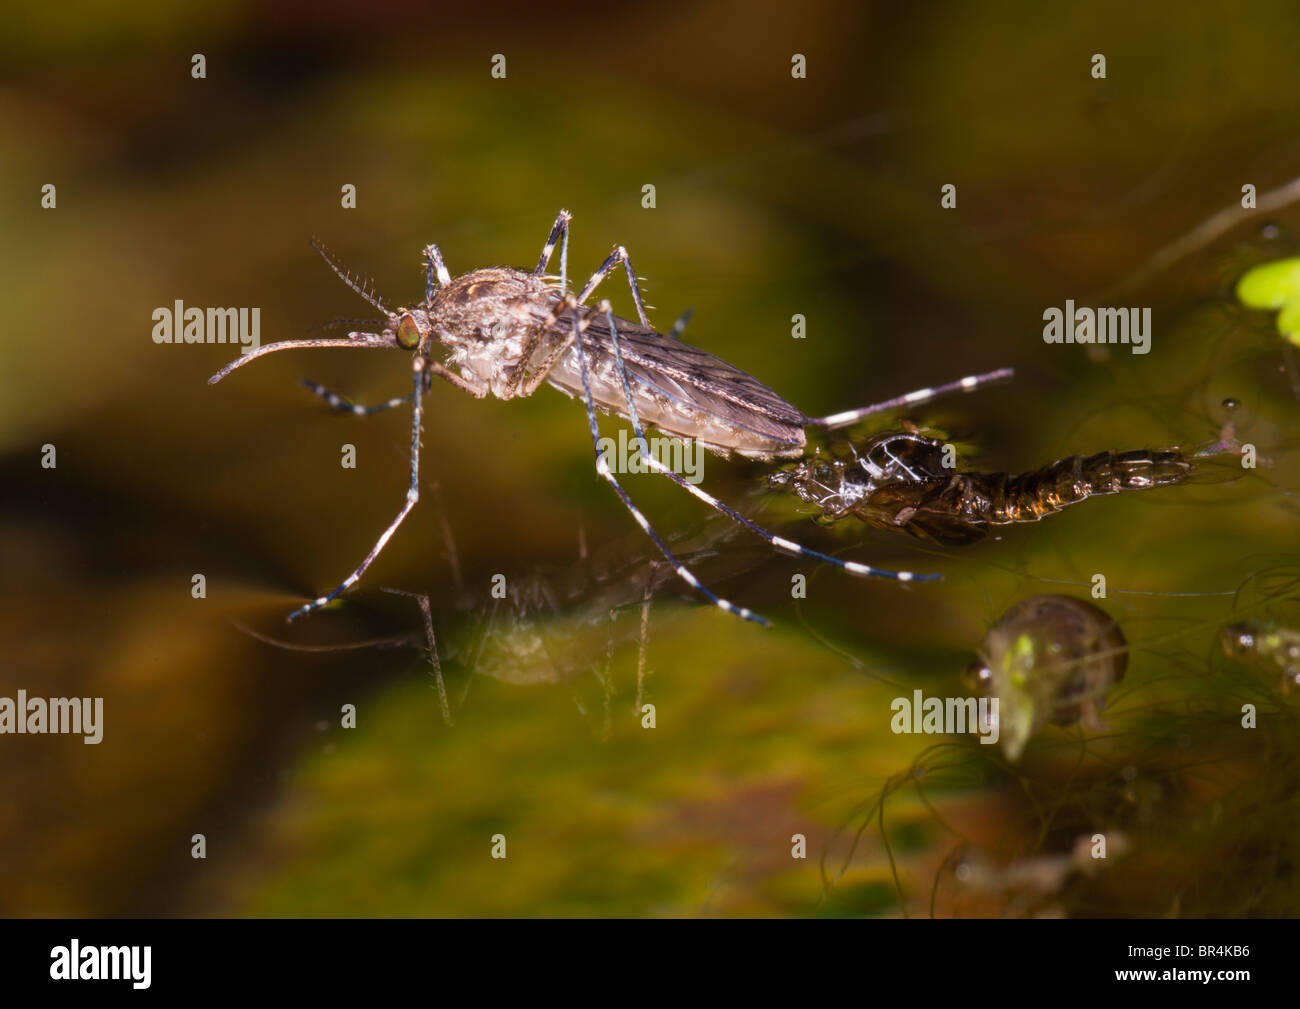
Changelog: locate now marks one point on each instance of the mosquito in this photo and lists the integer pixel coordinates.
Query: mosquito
(505, 331)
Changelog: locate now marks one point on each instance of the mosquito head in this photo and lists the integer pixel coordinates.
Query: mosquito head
(410, 328)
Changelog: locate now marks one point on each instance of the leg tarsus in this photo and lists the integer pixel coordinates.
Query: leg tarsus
(341, 404)
(412, 496)
(967, 384)
(679, 326)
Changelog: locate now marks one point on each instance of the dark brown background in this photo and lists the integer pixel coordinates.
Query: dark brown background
(775, 196)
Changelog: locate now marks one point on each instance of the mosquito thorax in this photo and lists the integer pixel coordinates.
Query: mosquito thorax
(485, 317)
(478, 305)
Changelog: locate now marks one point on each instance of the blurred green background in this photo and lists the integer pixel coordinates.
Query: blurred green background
(775, 196)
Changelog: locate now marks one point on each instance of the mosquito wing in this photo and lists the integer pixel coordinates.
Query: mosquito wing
(682, 390)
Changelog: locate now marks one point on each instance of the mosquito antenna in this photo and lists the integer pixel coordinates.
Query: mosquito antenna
(366, 291)
(333, 323)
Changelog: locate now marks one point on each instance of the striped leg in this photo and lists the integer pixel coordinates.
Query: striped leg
(679, 327)
(778, 542)
(788, 546)
(527, 385)
(418, 363)
(619, 255)
(643, 448)
(435, 268)
(602, 468)
(341, 404)
(559, 233)
(967, 384)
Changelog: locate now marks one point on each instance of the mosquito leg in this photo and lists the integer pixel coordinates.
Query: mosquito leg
(475, 389)
(434, 268)
(341, 404)
(778, 542)
(434, 661)
(642, 448)
(679, 326)
(970, 382)
(559, 233)
(453, 557)
(787, 546)
(644, 639)
(619, 255)
(418, 365)
(602, 468)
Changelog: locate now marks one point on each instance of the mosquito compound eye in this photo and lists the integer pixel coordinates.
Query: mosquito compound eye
(408, 333)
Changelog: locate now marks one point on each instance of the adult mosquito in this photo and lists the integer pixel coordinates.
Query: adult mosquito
(506, 331)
